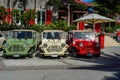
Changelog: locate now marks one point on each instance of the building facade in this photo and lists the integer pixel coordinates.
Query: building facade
(45, 14)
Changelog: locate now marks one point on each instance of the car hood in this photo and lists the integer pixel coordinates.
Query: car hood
(19, 41)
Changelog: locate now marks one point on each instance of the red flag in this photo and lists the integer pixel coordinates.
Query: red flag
(9, 19)
(81, 26)
(31, 22)
(97, 27)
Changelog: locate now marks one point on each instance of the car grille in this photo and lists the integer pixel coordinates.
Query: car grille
(16, 48)
(54, 48)
(89, 47)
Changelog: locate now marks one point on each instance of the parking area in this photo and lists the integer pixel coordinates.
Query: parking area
(109, 56)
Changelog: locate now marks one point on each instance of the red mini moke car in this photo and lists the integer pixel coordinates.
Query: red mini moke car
(83, 44)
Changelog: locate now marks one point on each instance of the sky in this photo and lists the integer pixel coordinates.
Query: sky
(86, 1)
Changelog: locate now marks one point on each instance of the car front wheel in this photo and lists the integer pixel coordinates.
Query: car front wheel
(31, 52)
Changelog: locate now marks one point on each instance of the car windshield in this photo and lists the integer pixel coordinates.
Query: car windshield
(84, 35)
(90, 35)
(79, 35)
(21, 34)
(53, 35)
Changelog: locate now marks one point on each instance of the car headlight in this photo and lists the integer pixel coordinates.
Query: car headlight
(73, 42)
(45, 45)
(118, 38)
(26, 44)
(63, 45)
(81, 44)
(6, 44)
(97, 45)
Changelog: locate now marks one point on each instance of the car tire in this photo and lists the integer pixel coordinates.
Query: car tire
(42, 56)
(78, 55)
(97, 55)
(73, 52)
(65, 55)
(31, 52)
(5, 56)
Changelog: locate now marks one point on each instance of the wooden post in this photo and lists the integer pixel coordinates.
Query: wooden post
(68, 14)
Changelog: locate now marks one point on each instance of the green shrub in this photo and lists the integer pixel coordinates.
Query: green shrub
(117, 26)
(58, 25)
(109, 29)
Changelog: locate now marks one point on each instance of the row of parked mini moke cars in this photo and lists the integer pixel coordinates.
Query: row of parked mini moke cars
(52, 43)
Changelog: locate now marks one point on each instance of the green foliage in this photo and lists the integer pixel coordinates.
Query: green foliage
(80, 7)
(72, 27)
(15, 14)
(72, 3)
(7, 27)
(107, 7)
(58, 25)
(53, 26)
(26, 16)
(36, 27)
(3, 11)
(111, 28)
(39, 27)
(61, 25)
(117, 25)
(53, 2)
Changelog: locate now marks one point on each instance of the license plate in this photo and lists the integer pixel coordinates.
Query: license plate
(89, 54)
(54, 55)
(16, 55)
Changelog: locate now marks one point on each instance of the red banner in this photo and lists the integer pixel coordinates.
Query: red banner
(9, 16)
(31, 22)
(97, 27)
(48, 17)
(81, 25)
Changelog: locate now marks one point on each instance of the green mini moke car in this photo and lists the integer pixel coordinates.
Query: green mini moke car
(20, 43)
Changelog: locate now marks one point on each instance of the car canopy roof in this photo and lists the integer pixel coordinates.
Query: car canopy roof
(53, 31)
(23, 30)
(81, 31)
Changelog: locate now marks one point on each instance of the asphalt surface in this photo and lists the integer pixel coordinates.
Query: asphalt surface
(110, 57)
(62, 74)
(106, 67)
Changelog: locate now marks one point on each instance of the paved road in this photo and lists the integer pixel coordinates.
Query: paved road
(109, 57)
(106, 67)
(63, 74)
